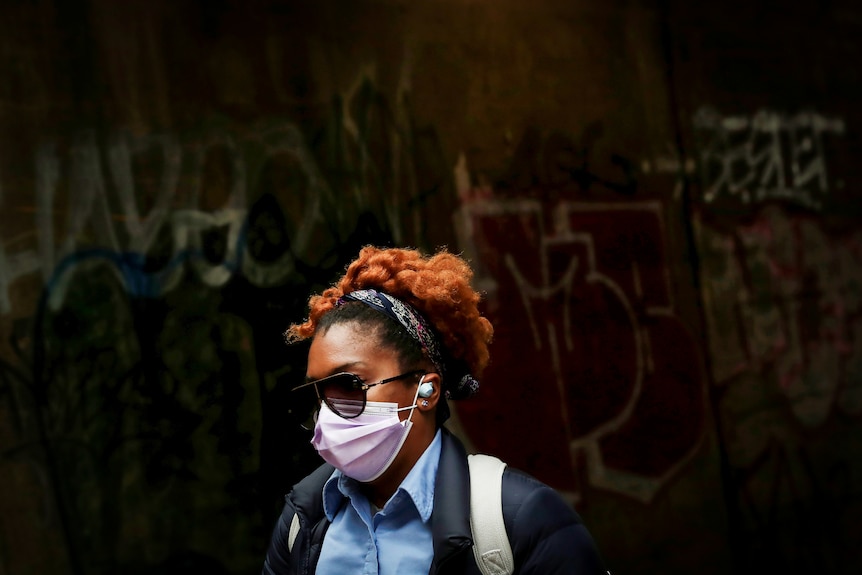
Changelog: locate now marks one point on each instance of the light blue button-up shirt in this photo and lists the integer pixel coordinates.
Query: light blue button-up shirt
(394, 541)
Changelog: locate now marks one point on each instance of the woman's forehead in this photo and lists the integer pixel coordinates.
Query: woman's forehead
(348, 333)
(347, 343)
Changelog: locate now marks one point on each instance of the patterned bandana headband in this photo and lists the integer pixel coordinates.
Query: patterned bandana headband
(419, 330)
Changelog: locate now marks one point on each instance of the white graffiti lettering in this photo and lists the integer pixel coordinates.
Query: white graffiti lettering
(104, 221)
(766, 156)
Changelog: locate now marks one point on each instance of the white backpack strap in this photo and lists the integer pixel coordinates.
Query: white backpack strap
(292, 532)
(490, 543)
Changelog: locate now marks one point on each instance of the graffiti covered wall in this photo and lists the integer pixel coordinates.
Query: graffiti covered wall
(667, 240)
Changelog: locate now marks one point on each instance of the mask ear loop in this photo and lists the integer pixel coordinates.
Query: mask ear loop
(415, 397)
(310, 422)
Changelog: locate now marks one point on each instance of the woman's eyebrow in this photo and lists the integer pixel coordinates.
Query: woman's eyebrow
(343, 368)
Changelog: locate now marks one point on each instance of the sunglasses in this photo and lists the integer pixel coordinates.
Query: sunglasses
(346, 394)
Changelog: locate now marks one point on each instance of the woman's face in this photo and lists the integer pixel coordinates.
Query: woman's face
(346, 347)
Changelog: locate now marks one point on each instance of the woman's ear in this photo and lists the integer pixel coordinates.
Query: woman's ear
(429, 391)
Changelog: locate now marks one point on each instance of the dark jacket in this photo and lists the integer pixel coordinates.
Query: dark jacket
(546, 534)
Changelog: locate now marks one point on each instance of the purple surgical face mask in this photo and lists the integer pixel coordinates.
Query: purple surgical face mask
(364, 447)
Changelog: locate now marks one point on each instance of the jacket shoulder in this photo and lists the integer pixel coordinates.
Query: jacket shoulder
(306, 497)
(306, 500)
(546, 533)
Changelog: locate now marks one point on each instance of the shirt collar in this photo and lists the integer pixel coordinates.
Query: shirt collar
(418, 485)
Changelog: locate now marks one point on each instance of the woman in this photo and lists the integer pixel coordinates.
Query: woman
(395, 338)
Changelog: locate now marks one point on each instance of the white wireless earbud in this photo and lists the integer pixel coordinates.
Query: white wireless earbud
(426, 388)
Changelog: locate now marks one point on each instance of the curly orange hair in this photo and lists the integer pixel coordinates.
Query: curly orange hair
(437, 286)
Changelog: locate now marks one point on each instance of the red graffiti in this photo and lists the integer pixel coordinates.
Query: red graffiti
(592, 370)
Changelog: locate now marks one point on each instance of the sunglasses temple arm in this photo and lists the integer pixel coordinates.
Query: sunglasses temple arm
(304, 385)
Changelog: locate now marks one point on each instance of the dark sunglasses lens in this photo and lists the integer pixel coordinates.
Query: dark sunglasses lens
(343, 394)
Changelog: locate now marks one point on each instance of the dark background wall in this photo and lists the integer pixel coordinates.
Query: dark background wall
(660, 199)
